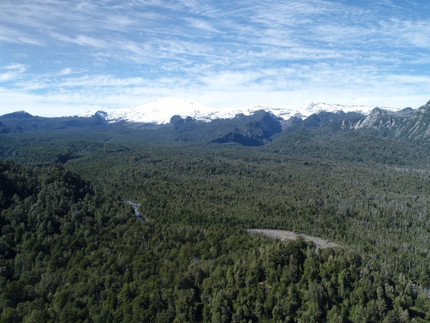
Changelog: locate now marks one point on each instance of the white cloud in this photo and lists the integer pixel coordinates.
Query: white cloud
(295, 85)
(116, 54)
(65, 71)
(12, 72)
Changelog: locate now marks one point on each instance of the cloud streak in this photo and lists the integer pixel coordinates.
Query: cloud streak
(12, 72)
(219, 53)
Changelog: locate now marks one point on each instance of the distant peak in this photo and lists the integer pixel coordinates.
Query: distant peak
(100, 114)
(426, 106)
(18, 114)
(378, 110)
(382, 112)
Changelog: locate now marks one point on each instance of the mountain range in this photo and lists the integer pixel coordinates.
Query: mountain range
(250, 127)
(160, 111)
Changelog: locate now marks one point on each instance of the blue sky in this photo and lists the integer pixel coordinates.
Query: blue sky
(62, 57)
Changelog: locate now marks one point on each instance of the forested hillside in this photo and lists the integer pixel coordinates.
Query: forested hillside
(72, 250)
(71, 254)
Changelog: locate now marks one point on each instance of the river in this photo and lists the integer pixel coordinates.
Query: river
(136, 206)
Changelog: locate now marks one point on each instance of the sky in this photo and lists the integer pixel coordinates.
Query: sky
(63, 57)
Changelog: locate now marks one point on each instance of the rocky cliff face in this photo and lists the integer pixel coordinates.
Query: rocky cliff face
(417, 125)
(378, 119)
(406, 124)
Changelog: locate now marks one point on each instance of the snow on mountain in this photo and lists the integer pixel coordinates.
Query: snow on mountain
(320, 106)
(162, 110)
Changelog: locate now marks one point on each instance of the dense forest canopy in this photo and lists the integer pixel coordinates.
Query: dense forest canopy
(72, 250)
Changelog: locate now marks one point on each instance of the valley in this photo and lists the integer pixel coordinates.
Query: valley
(214, 161)
(64, 183)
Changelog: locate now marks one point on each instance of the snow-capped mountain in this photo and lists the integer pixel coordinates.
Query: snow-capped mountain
(247, 126)
(320, 106)
(162, 110)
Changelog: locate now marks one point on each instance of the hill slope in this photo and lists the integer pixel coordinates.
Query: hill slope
(70, 253)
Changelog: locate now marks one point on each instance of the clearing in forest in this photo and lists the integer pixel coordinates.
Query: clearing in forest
(289, 235)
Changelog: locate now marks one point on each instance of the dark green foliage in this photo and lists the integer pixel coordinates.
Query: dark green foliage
(73, 251)
(338, 145)
(49, 220)
(253, 130)
(325, 119)
(82, 256)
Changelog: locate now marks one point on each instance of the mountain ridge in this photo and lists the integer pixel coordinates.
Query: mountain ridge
(248, 128)
(162, 110)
